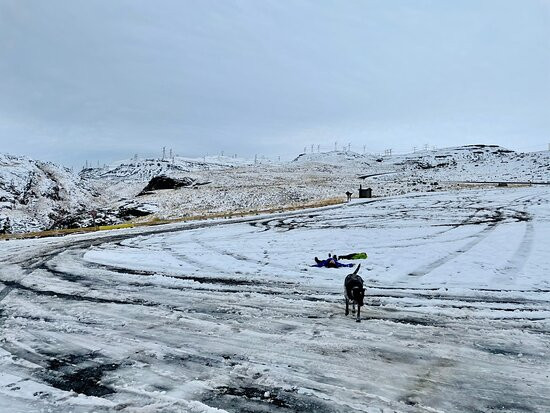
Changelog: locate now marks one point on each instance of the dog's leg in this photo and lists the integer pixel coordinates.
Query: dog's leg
(347, 305)
(358, 319)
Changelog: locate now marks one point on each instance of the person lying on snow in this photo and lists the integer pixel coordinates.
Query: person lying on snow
(330, 262)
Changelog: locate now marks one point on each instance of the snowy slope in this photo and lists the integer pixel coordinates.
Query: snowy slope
(440, 169)
(337, 158)
(34, 194)
(479, 163)
(144, 169)
(230, 315)
(465, 163)
(244, 185)
(320, 176)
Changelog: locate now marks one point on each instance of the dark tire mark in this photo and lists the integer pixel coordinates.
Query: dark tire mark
(74, 297)
(79, 373)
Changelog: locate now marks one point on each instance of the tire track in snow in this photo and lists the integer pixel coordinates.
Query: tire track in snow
(4, 293)
(237, 347)
(493, 221)
(520, 257)
(479, 237)
(515, 264)
(240, 257)
(196, 263)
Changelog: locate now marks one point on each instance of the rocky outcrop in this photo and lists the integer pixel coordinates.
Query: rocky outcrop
(166, 182)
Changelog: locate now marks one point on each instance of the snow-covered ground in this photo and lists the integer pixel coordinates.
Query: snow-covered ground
(230, 315)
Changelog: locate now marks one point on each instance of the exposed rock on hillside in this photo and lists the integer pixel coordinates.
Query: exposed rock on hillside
(166, 182)
(133, 209)
(83, 218)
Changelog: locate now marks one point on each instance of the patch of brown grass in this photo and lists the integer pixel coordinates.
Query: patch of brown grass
(158, 221)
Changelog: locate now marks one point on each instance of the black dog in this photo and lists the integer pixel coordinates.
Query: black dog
(354, 292)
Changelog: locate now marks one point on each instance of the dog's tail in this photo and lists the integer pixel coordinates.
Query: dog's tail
(357, 269)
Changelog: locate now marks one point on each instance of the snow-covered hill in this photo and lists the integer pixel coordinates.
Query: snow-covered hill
(441, 169)
(337, 158)
(236, 184)
(145, 169)
(34, 195)
(464, 163)
(479, 163)
(317, 176)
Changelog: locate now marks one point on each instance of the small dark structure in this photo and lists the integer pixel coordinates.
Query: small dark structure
(365, 193)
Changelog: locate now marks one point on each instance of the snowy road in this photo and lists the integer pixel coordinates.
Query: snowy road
(231, 316)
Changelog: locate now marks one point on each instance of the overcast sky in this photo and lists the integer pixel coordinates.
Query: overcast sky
(104, 79)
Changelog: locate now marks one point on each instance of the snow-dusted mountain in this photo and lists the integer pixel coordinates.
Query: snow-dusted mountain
(34, 195)
(145, 169)
(336, 158)
(479, 163)
(440, 169)
(242, 186)
(463, 163)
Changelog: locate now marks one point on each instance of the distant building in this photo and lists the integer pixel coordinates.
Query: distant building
(365, 193)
